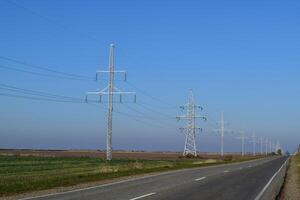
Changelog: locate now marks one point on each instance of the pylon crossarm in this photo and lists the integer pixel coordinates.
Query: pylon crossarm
(181, 117)
(191, 117)
(198, 106)
(107, 93)
(201, 117)
(93, 93)
(106, 71)
(115, 71)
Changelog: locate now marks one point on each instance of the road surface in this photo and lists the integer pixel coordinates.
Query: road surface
(232, 181)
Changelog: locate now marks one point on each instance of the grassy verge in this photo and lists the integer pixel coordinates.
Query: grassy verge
(296, 159)
(24, 174)
(291, 187)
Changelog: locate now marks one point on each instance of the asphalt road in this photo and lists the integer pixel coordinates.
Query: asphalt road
(232, 181)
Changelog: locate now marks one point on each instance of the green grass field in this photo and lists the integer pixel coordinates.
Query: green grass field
(23, 174)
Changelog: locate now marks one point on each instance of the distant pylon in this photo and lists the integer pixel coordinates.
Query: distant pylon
(266, 143)
(261, 145)
(254, 143)
(243, 137)
(190, 129)
(110, 90)
(277, 146)
(222, 131)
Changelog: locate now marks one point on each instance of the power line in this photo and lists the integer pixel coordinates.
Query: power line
(40, 74)
(139, 120)
(147, 94)
(63, 74)
(149, 108)
(37, 98)
(143, 115)
(37, 93)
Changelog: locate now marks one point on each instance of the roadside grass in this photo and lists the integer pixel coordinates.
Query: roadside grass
(296, 159)
(24, 174)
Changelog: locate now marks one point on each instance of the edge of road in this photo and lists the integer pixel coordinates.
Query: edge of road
(274, 185)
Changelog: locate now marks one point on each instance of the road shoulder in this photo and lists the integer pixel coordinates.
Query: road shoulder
(291, 190)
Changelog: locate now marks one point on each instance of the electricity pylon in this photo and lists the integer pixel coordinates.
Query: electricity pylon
(243, 137)
(277, 146)
(266, 143)
(190, 129)
(222, 130)
(254, 143)
(270, 146)
(261, 145)
(110, 90)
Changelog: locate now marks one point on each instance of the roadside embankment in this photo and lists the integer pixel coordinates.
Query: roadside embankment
(291, 187)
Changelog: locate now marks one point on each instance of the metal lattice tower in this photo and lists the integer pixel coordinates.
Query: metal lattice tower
(190, 129)
(110, 90)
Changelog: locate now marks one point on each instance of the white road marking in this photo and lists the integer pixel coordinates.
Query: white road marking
(250, 166)
(226, 171)
(241, 167)
(200, 179)
(143, 196)
(270, 181)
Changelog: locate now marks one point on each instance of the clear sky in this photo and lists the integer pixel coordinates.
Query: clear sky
(240, 57)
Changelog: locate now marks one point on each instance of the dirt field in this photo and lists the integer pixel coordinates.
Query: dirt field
(102, 154)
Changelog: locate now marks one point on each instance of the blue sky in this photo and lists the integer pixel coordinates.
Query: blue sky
(240, 57)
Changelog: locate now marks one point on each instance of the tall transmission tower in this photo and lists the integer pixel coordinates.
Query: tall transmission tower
(243, 137)
(266, 143)
(254, 143)
(190, 129)
(277, 146)
(261, 145)
(222, 131)
(110, 90)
